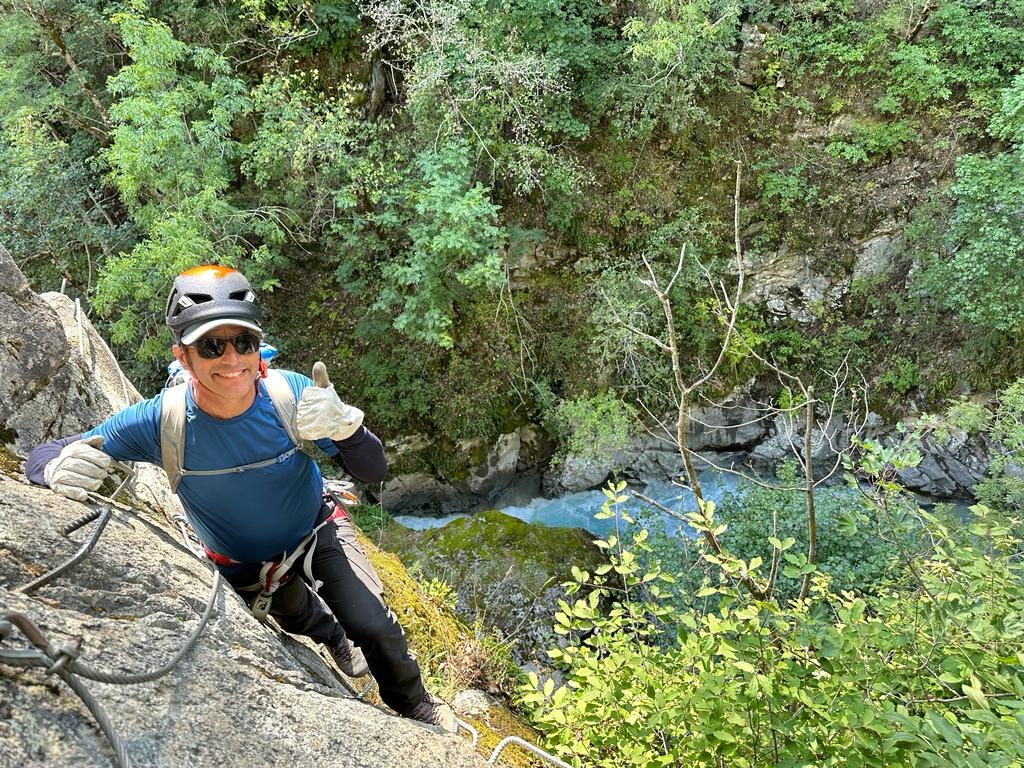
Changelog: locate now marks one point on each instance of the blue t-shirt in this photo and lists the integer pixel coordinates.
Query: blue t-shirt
(252, 515)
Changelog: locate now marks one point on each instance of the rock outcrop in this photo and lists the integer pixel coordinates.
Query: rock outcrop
(244, 695)
(949, 468)
(503, 474)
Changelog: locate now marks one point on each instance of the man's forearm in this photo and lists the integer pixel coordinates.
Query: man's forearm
(362, 456)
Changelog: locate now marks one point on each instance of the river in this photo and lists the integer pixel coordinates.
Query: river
(577, 510)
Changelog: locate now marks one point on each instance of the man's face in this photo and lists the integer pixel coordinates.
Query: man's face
(228, 378)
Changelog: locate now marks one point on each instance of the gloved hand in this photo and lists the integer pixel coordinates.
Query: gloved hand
(80, 467)
(321, 413)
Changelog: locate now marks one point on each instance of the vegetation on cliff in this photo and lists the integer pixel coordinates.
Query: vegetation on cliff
(444, 197)
(921, 667)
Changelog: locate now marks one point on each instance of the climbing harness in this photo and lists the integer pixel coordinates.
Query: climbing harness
(274, 573)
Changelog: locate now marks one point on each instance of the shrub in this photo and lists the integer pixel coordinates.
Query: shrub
(927, 672)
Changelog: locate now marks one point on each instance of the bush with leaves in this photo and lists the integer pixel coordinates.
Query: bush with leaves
(929, 671)
(979, 272)
(858, 553)
(680, 51)
(453, 245)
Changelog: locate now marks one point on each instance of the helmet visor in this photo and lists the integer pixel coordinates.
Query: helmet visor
(196, 332)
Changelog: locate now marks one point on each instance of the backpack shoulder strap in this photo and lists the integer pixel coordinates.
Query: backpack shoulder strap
(287, 409)
(172, 433)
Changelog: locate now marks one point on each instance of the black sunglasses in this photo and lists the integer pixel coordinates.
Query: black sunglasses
(212, 347)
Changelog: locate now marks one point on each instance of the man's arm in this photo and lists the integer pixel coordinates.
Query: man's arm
(131, 434)
(362, 456)
(43, 454)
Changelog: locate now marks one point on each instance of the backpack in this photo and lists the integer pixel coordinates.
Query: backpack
(172, 429)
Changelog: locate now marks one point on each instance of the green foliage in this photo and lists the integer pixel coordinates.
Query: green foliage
(978, 273)
(981, 42)
(858, 558)
(960, 48)
(872, 143)
(902, 375)
(172, 139)
(927, 672)
(1003, 484)
(594, 426)
(55, 216)
(471, 400)
(678, 49)
(495, 75)
(787, 190)
(453, 246)
(395, 383)
(52, 216)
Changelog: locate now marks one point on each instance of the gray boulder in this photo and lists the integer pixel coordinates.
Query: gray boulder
(496, 471)
(731, 426)
(422, 493)
(508, 472)
(786, 440)
(949, 468)
(45, 391)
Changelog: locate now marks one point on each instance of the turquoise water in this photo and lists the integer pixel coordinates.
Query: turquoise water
(577, 510)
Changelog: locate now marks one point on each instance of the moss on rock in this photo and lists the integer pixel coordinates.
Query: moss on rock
(452, 657)
(506, 574)
(10, 462)
(493, 722)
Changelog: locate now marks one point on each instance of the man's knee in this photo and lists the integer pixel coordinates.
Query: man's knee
(377, 625)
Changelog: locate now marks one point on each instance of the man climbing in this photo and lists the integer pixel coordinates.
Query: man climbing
(249, 489)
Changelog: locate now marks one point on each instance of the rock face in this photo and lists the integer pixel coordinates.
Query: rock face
(244, 695)
(950, 468)
(732, 434)
(504, 572)
(509, 472)
(44, 389)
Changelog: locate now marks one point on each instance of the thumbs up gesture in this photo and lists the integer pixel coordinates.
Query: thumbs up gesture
(321, 413)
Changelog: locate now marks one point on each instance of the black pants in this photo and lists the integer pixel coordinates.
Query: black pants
(354, 594)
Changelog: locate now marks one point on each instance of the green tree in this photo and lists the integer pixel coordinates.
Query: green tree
(56, 216)
(679, 52)
(981, 274)
(453, 246)
(173, 160)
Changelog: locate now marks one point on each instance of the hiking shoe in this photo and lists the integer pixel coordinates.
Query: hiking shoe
(349, 658)
(433, 711)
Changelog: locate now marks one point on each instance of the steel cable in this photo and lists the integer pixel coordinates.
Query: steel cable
(86, 548)
(525, 745)
(58, 663)
(129, 678)
(121, 759)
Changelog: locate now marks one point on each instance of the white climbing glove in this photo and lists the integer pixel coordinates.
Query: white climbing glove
(80, 467)
(321, 412)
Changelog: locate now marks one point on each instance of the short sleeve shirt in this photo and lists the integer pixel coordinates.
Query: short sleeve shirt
(252, 515)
